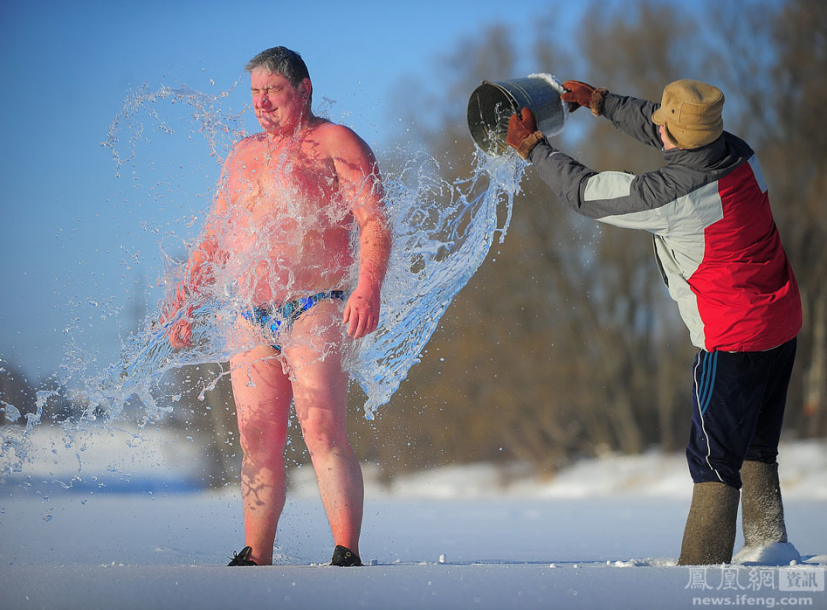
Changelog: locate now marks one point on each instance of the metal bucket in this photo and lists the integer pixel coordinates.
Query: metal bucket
(493, 103)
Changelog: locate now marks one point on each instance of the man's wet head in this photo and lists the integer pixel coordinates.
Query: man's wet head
(281, 89)
(283, 61)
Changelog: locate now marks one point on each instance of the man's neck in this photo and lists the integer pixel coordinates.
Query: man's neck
(306, 123)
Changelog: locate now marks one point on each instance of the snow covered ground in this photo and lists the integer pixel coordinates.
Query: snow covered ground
(115, 520)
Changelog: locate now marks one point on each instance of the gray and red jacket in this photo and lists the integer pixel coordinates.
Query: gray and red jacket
(716, 242)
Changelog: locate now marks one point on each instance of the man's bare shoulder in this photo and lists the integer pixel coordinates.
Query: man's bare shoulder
(250, 143)
(246, 150)
(341, 140)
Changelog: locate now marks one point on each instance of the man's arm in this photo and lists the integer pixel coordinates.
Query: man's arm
(198, 271)
(616, 198)
(629, 115)
(361, 186)
(633, 117)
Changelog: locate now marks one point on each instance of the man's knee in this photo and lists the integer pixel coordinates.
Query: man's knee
(263, 446)
(322, 435)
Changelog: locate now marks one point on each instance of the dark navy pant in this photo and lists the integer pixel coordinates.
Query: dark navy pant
(738, 406)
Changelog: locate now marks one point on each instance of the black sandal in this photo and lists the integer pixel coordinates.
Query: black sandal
(344, 557)
(242, 558)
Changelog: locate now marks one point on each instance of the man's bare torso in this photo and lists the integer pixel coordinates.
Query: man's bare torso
(281, 219)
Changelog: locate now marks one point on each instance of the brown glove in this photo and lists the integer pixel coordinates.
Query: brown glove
(522, 132)
(581, 94)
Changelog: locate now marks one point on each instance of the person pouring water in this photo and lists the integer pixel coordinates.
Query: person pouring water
(721, 257)
(279, 241)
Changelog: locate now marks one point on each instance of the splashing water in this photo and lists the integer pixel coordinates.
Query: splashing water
(442, 233)
(220, 130)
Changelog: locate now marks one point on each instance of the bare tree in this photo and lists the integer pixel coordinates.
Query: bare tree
(779, 89)
(565, 342)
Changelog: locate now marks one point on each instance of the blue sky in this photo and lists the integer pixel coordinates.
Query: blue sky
(76, 239)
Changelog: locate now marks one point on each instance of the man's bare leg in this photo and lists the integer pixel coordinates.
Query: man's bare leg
(320, 396)
(262, 395)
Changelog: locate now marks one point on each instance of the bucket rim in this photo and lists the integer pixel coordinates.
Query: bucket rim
(500, 87)
(533, 92)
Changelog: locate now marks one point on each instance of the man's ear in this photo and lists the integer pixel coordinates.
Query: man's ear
(305, 88)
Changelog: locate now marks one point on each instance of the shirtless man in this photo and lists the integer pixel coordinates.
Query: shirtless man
(280, 231)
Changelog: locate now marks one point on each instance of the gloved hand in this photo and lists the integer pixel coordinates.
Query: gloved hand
(581, 94)
(522, 132)
(520, 126)
(577, 94)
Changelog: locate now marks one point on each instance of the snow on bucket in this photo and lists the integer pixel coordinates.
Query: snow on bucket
(493, 103)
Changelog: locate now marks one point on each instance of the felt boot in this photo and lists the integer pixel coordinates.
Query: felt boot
(710, 527)
(762, 514)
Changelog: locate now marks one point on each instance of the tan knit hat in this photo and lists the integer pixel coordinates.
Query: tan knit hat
(691, 113)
